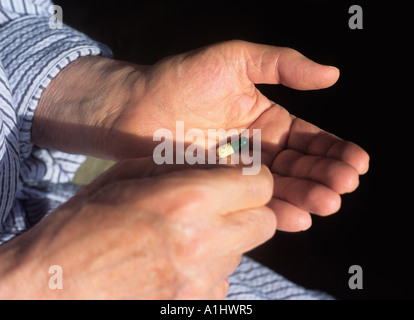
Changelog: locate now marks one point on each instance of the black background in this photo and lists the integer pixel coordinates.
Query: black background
(367, 106)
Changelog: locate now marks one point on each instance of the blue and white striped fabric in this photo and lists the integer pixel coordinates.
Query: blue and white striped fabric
(253, 281)
(31, 54)
(34, 181)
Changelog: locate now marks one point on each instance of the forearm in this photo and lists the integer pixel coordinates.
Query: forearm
(77, 110)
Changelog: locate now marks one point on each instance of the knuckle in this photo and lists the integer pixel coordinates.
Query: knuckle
(197, 288)
(186, 203)
(190, 247)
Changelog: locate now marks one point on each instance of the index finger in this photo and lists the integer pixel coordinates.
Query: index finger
(219, 190)
(226, 189)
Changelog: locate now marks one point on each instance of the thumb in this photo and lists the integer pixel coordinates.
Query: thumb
(280, 65)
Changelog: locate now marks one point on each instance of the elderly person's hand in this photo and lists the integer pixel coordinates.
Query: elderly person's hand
(133, 234)
(111, 109)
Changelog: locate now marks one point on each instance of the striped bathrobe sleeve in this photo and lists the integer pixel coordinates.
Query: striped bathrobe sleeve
(31, 54)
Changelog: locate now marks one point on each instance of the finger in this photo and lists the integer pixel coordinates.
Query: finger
(309, 139)
(279, 65)
(244, 230)
(274, 124)
(334, 174)
(136, 169)
(143, 168)
(227, 190)
(289, 217)
(216, 191)
(307, 195)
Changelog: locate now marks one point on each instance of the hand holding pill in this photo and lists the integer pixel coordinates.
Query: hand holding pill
(209, 88)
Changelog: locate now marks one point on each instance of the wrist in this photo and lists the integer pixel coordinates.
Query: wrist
(77, 110)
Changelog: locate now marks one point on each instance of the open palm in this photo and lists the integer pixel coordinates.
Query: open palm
(214, 88)
(311, 167)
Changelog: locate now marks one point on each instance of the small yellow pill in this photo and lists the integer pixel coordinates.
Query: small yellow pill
(225, 151)
(228, 149)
